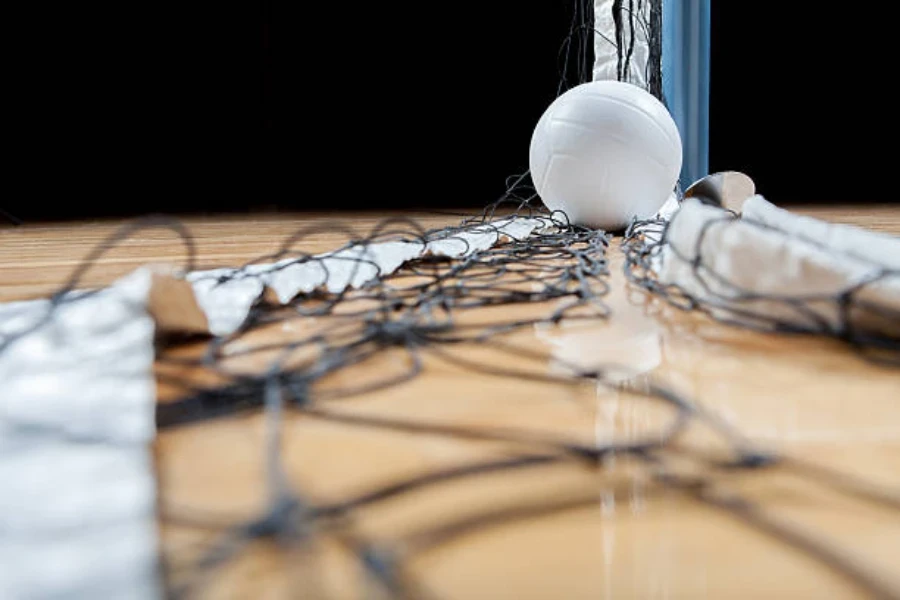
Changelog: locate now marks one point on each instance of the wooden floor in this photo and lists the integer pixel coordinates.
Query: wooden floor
(624, 537)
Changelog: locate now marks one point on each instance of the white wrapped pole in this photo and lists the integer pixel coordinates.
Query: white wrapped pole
(774, 267)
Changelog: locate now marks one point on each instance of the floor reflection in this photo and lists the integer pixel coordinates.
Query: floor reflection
(805, 396)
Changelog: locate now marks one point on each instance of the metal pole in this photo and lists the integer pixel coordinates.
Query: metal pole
(686, 74)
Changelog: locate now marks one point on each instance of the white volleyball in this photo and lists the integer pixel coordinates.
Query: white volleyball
(604, 153)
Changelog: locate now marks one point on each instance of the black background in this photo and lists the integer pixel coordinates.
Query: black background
(279, 105)
(801, 100)
(193, 107)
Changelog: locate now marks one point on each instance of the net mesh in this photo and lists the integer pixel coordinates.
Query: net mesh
(440, 311)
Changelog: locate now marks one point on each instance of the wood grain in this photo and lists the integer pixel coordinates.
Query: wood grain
(36, 259)
(604, 532)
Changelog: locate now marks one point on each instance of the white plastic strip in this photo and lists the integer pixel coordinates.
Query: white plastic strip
(227, 295)
(877, 248)
(77, 398)
(778, 258)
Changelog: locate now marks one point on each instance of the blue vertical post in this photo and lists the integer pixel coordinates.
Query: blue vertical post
(685, 66)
